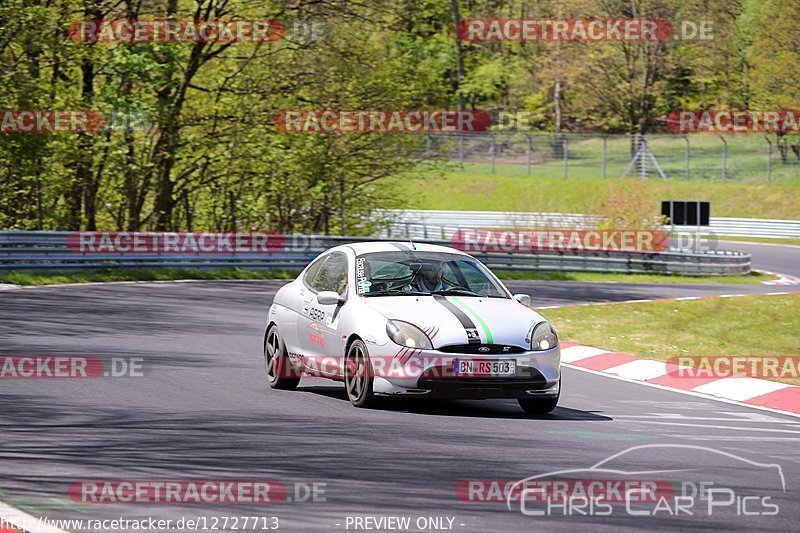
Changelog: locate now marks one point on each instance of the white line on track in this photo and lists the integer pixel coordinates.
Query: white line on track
(737, 438)
(712, 419)
(734, 428)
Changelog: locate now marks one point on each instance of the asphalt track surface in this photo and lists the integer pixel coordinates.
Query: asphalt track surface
(783, 259)
(202, 411)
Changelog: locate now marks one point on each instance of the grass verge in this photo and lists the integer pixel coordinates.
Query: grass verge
(756, 326)
(161, 274)
(511, 189)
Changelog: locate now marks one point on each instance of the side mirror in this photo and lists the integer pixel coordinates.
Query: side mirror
(329, 298)
(524, 299)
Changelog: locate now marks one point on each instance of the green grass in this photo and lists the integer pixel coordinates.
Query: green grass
(745, 326)
(165, 274)
(475, 188)
(753, 277)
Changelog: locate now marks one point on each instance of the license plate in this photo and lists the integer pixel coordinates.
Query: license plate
(482, 367)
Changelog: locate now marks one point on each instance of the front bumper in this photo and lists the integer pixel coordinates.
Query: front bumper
(429, 374)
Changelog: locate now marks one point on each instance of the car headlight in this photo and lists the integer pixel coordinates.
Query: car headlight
(544, 337)
(409, 335)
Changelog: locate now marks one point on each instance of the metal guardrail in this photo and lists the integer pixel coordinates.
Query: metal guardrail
(756, 227)
(689, 264)
(48, 251)
(423, 224)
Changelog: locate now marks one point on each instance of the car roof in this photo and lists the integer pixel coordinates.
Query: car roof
(394, 246)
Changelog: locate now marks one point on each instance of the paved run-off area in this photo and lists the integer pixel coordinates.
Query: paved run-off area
(202, 411)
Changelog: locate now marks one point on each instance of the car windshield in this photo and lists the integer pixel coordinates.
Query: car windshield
(412, 272)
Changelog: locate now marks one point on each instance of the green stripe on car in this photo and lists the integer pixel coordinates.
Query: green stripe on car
(477, 317)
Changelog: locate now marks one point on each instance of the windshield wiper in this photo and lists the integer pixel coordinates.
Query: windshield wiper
(395, 292)
(457, 291)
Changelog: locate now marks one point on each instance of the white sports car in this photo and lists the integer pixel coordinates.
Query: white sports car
(393, 318)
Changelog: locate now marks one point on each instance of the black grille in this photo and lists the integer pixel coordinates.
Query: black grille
(439, 380)
(481, 349)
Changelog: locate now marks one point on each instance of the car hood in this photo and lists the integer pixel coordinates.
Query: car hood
(447, 319)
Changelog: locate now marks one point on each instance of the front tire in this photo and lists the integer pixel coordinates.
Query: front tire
(358, 375)
(540, 406)
(280, 373)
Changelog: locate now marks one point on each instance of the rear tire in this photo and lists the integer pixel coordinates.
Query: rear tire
(280, 373)
(358, 375)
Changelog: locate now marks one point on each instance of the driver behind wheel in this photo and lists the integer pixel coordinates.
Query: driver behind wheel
(428, 278)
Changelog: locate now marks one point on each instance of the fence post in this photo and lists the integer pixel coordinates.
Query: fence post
(564, 146)
(426, 156)
(605, 146)
(530, 151)
(724, 157)
(769, 159)
(341, 203)
(642, 158)
(492, 149)
(686, 156)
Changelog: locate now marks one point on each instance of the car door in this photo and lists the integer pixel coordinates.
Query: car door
(317, 328)
(308, 297)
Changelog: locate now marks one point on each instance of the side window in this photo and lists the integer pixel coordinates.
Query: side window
(333, 274)
(312, 271)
